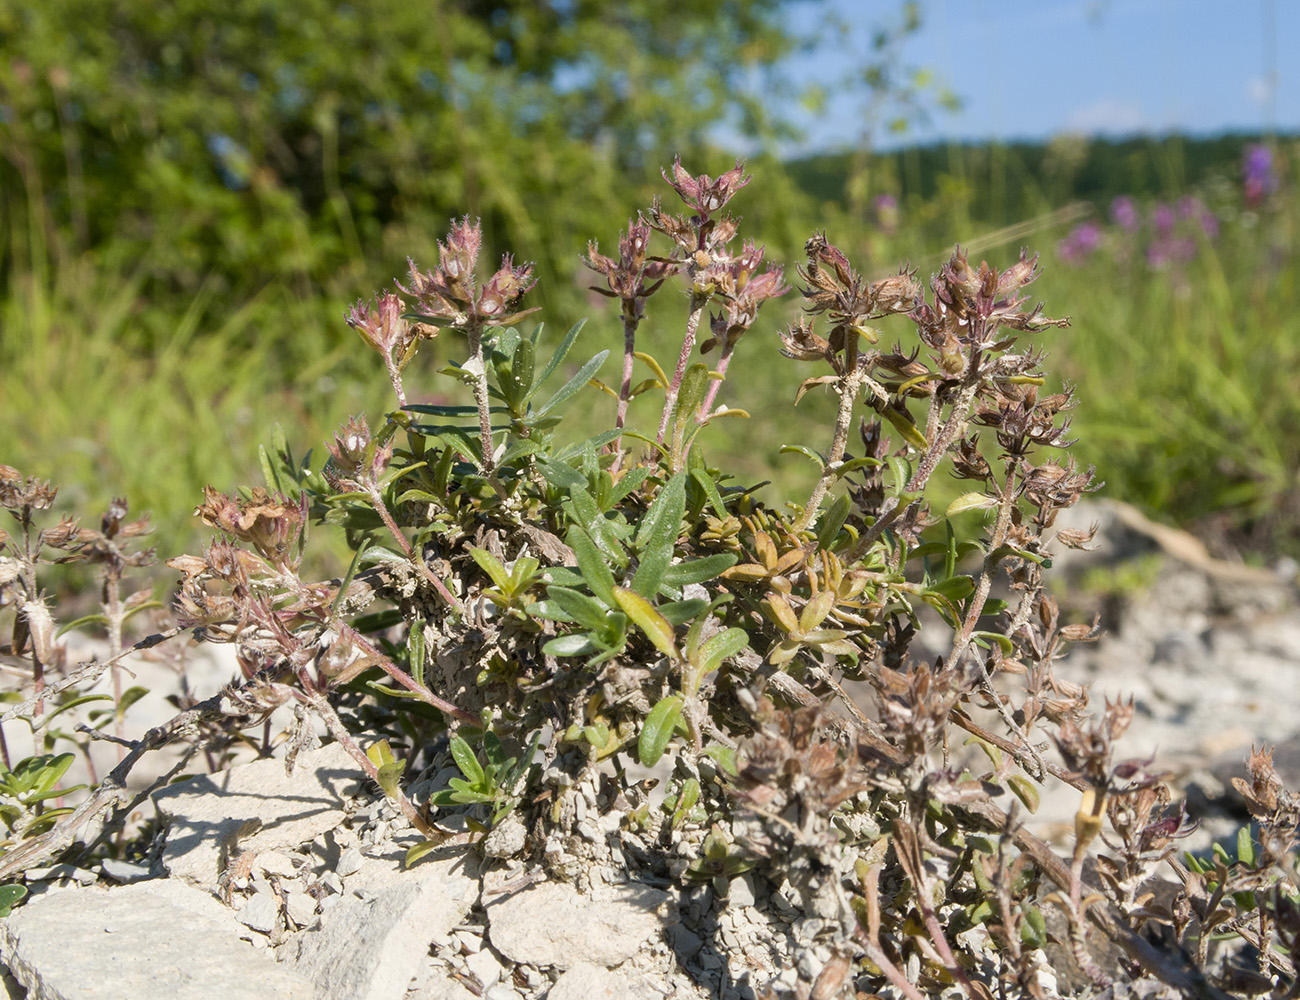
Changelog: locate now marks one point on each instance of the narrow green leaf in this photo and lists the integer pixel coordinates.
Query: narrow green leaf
(491, 565)
(970, 501)
(595, 573)
(465, 759)
(816, 610)
(657, 536)
(711, 491)
(129, 697)
(1025, 790)
(698, 570)
(805, 451)
(570, 645)
(680, 612)
(574, 384)
(650, 621)
(585, 610)
(717, 648)
(1005, 644)
(558, 357)
(417, 851)
(832, 521)
(657, 730)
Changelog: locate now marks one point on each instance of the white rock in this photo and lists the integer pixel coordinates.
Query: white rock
(349, 862)
(260, 913)
(552, 924)
(440, 987)
(300, 908)
(156, 940)
(591, 982)
(740, 892)
(125, 871)
(253, 807)
(484, 967)
(371, 948)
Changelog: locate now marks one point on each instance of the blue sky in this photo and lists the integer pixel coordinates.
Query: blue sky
(1030, 69)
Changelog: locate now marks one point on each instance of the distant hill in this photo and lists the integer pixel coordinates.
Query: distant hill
(1002, 183)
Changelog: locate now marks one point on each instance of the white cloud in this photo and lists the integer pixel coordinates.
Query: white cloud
(1107, 116)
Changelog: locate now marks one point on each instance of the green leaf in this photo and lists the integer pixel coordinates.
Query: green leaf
(10, 896)
(650, 621)
(415, 649)
(807, 452)
(1025, 790)
(574, 384)
(417, 851)
(491, 565)
(591, 564)
(95, 619)
(970, 501)
(698, 570)
(389, 777)
(587, 611)
(562, 475)
(74, 702)
(468, 763)
(717, 648)
(711, 491)
(657, 536)
(690, 393)
(1005, 644)
(658, 729)
(1033, 929)
(558, 357)
(1245, 847)
(129, 697)
(570, 645)
(955, 588)
(678, 612)
(832, 521)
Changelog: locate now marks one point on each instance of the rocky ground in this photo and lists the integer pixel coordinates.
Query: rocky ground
(265, 885)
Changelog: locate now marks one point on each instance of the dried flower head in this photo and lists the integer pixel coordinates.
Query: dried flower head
(270, 524)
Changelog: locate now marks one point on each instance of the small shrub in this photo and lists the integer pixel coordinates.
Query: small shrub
(563, 605)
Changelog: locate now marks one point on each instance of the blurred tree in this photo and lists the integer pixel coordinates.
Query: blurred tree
(258, 140)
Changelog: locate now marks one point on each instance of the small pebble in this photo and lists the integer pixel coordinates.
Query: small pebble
(470, 943)
(259, 913)
(125, 871)
(349, 862)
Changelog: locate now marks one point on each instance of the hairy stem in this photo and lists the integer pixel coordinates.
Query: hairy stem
(698, 302)
(479, 383)
(848, 387)
(334, 724)
(377, 502)
(399, 675)
(723, 361)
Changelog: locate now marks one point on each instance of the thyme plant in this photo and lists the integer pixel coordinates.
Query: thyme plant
(536, 608)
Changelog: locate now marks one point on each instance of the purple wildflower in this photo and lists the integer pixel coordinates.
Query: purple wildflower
(1083, 241)
(1260, 179)
(886, 209)
(1124, 213)
(1162, 219)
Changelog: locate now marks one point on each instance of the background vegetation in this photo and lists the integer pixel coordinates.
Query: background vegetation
(191, 196)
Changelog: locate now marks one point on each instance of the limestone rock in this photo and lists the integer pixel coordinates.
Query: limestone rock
(373, 942)
(252, 807)
(156, 940)
(553, 925)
